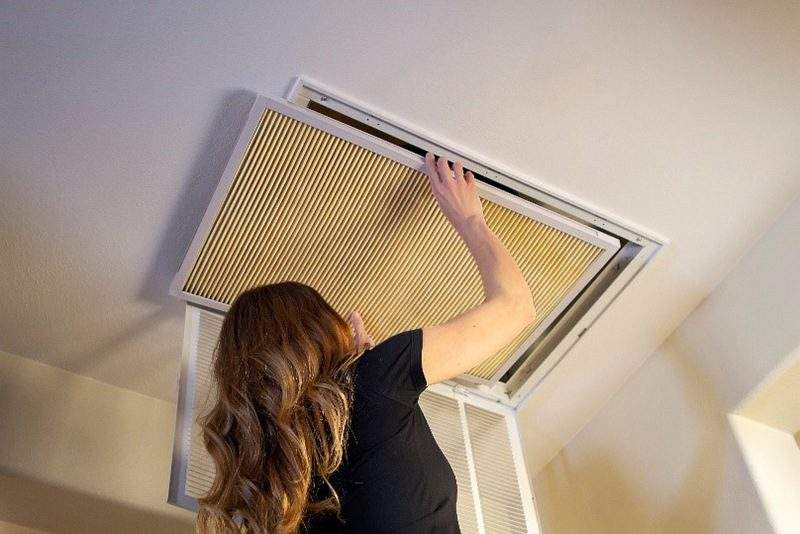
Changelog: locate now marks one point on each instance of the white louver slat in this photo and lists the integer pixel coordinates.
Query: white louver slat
(200, 472)
(477, 436)
(496, 472)
(442, 414)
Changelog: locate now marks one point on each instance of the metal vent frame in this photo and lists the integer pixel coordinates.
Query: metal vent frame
(639, 246)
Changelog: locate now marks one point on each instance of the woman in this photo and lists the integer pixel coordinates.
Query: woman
(316, 430)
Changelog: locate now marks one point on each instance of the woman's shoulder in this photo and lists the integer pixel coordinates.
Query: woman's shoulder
(393, 367)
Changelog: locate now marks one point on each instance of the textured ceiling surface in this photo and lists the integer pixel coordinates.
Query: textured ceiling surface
(117, 121)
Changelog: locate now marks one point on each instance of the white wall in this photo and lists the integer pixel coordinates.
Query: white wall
(661, 455)
(764, 425)
(774, 461)
(78, 455)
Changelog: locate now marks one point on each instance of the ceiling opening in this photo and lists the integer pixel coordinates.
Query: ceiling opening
(323, 191)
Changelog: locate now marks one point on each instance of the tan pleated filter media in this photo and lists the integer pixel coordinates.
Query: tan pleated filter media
(365, 231)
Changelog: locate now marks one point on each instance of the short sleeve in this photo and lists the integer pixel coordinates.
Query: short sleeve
(393, 368)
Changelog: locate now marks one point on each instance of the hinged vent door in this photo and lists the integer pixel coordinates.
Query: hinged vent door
(309, 199)
(478, 437)
(481, 442)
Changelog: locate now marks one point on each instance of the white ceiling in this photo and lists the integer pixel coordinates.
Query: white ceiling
(681, 119)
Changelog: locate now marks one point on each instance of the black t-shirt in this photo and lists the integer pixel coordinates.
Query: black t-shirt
(394, 477)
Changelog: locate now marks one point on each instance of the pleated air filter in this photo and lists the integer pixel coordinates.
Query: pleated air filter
(307, 198)
(479, 438)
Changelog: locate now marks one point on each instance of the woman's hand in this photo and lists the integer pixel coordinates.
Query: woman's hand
(455, 191)
(363, 341)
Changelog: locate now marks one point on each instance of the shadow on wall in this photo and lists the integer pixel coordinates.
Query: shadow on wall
(692, 507)
(34, 504)
(623, 509)
(661, 456)
(612, 496)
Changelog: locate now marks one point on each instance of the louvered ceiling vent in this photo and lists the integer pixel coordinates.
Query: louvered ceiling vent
(321, 190)
(314, 194)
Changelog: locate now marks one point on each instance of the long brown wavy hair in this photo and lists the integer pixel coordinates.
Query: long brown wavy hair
(282, 374)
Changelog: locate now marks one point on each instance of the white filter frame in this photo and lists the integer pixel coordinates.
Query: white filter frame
(185, 413)
(609, 245)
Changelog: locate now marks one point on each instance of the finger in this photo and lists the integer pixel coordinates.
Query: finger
(429, 160)
(434, 189)
(469, 177)
(444, 169)
(434, 184)
(458, 170)
(434, 180)
(430, 166)
(430, 163)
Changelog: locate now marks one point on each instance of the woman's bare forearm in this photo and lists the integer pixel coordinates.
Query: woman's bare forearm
(501, 276)
(457, 195)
